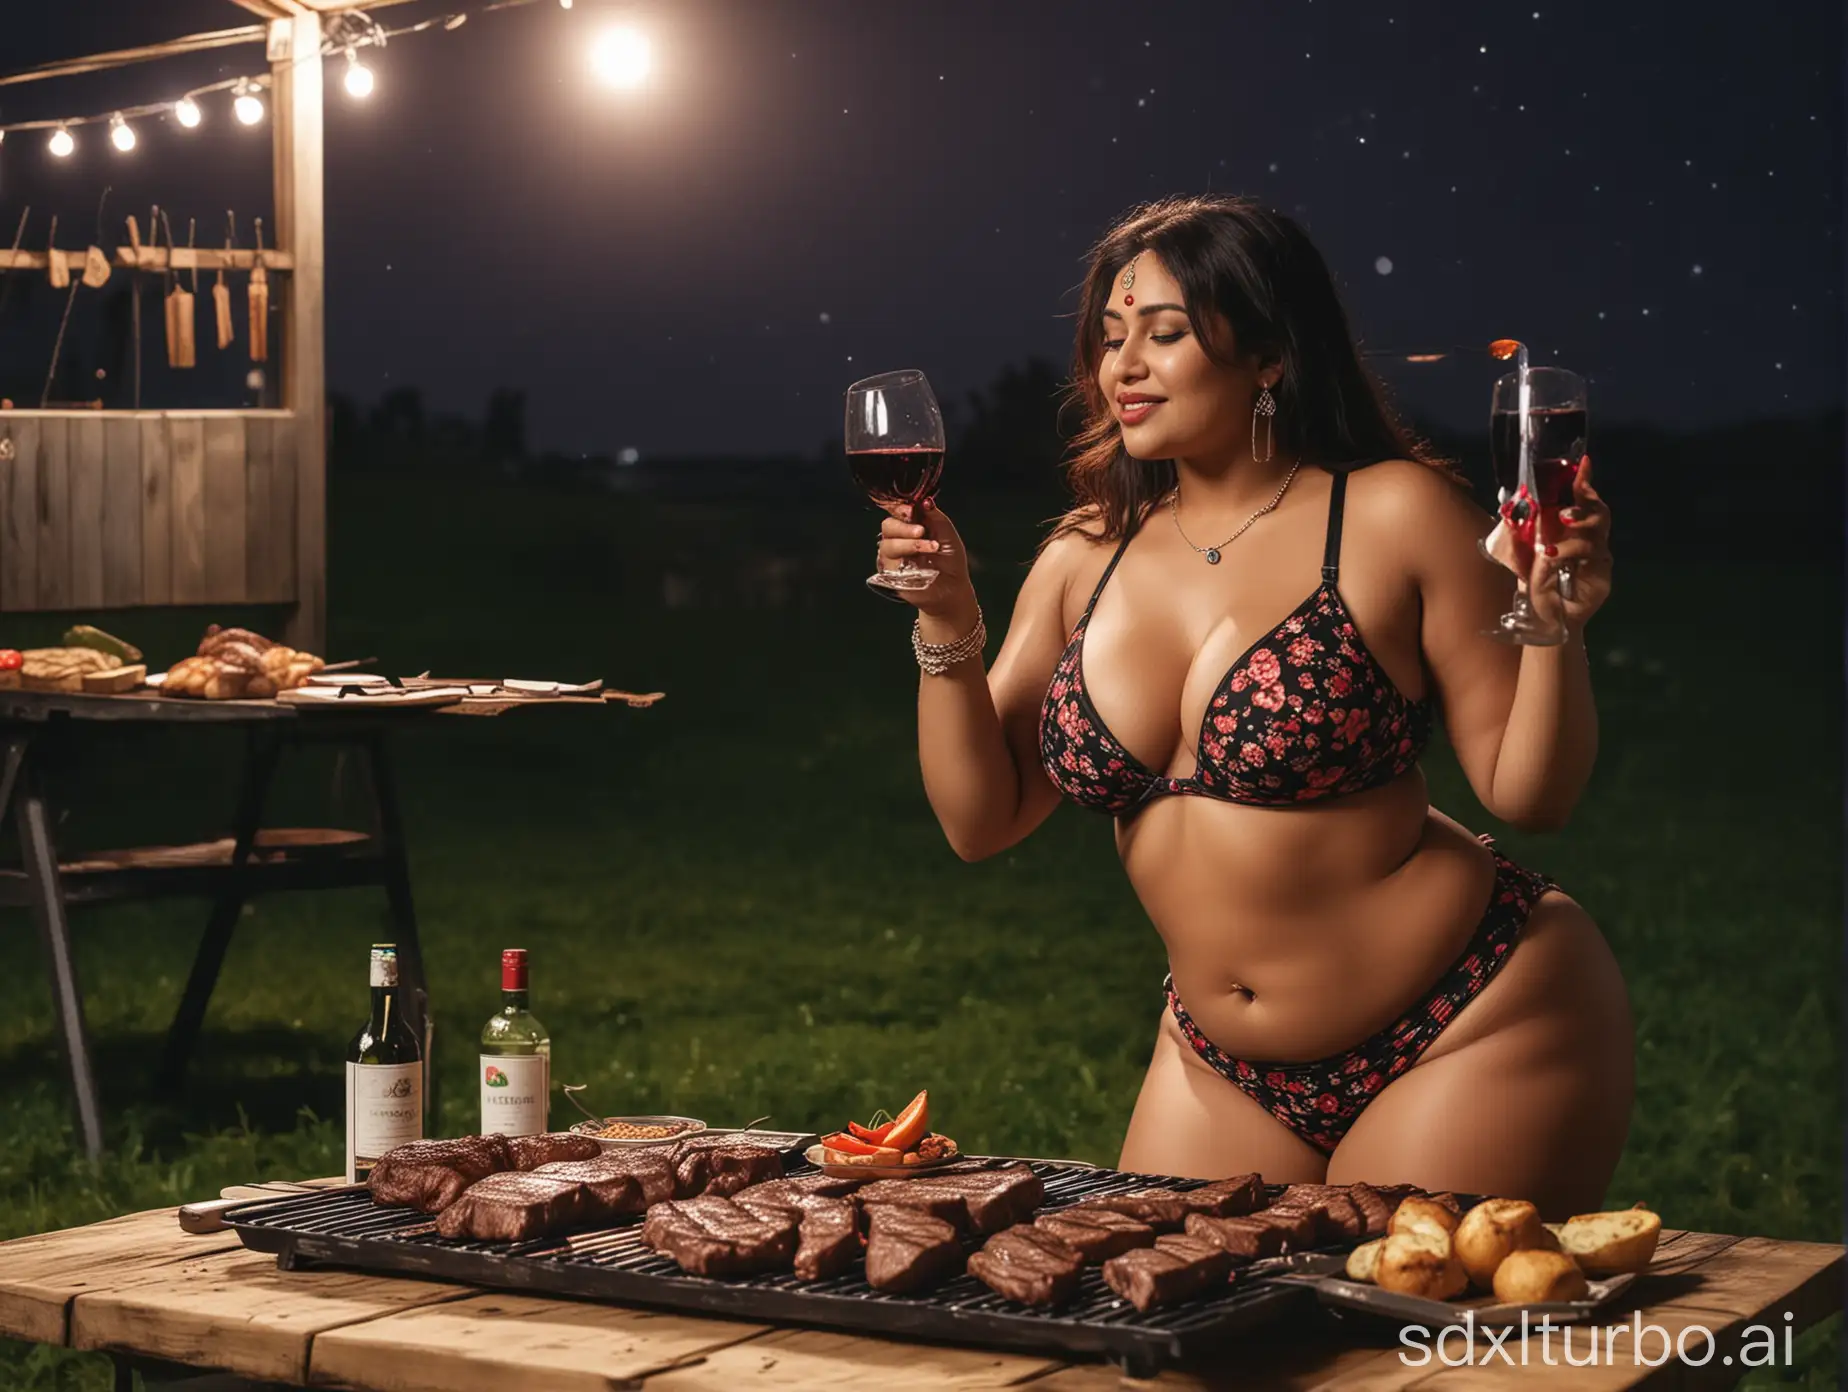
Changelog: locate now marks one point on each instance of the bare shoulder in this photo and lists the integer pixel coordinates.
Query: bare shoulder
(1073, 556)
(1420, 511)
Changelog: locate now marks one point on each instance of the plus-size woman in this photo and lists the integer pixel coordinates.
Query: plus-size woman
(1237, 645)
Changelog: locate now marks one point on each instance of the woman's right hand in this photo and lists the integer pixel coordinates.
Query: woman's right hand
(924, 536)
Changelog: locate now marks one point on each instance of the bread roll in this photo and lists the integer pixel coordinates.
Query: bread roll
(1609, 1244)
(1421, 1263)
(1416, 1215)
(1531, 1275)
(1493, 1229)
(1363, 1262)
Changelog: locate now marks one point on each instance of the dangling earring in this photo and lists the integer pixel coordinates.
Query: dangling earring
(1265, 406)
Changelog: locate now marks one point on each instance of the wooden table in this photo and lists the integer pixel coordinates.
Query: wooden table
(230, 871)
(138, 1288)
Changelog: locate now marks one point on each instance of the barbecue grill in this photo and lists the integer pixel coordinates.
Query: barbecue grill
(346, 1228)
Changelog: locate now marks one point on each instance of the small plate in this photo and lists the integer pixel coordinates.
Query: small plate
(690, 1126)
(923, 1167)
(346, 679)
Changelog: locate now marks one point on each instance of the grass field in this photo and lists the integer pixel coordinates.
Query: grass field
(737, 903)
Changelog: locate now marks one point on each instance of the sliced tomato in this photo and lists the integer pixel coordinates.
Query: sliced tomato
(852, 1145)
(912, 1123)
(872, 1135)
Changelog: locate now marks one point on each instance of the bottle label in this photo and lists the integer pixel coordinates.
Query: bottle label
(384, 1110)
(514, 1089)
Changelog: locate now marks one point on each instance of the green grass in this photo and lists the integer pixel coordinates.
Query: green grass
(738, 904)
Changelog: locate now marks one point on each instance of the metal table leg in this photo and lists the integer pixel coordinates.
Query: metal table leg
(40, 857)
(263, 749)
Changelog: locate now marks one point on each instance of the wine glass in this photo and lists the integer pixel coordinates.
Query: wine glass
(894, 447)
(1537, 436)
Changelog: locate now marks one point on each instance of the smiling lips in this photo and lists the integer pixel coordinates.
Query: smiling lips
(1133, 408)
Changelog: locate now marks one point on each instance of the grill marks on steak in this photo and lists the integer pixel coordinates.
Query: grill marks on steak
(1097, 1234)
(712, 1236)
(514, 1206)
(1166, 1210)
(908, 1250)
(1029, 1265)
(530, 1152)
(431, 1175)
(828, 1238)
(1243, 1238)
(979, 1201)
(1176, 1268)
(722, 1168)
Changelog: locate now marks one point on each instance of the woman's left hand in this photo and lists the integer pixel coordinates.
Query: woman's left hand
(1586, 547)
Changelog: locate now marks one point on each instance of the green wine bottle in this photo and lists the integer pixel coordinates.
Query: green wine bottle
(516, 1059)
(384, 1075)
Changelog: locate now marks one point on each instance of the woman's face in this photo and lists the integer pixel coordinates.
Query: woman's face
(1171, 400)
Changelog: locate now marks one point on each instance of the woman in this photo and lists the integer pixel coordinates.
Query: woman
(1236, 644)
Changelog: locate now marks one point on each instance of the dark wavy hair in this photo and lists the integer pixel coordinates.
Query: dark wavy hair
(1270, 286)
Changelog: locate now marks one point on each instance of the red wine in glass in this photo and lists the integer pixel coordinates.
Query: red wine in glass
(894, 443)
(1559, 444)
(893, 476)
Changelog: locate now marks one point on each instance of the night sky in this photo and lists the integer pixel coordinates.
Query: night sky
(809, 191)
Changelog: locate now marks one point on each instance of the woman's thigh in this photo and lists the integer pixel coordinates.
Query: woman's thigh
(1190, 1121)
(1527, 1094)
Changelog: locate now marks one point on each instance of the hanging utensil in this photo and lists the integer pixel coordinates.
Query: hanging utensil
(19, 235)
(259, 303)
(221, 293)
(134, 291)
(95, 267)
(180, 352)
(60, 273)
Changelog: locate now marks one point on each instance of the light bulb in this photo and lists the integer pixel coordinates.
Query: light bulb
(62, 142)
(186, 112)
(564, 4)
(358, 77)
(621, 57)
(121, 134)
(249, 107)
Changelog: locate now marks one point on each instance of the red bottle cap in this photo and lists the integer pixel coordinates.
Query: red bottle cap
(513, 969)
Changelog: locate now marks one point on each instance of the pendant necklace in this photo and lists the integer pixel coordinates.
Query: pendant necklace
(1212, 552)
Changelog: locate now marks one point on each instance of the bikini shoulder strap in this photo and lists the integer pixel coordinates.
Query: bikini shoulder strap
(1104, 579)
(1331, 554)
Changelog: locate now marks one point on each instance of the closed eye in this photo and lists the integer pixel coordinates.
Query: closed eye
(1112, 344)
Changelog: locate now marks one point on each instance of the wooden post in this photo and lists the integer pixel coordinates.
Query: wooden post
(295, 45)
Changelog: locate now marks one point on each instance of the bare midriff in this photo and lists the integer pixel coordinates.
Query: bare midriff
(1295, 933)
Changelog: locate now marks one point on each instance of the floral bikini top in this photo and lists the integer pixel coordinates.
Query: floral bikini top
(1306, 713)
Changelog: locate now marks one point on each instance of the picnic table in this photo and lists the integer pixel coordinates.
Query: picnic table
(162, 1301)
(35, 726)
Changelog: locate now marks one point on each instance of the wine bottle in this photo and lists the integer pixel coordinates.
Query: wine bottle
(384, 1075)
(516, 1059)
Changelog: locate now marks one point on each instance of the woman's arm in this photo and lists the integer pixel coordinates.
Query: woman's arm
(1522, 720)
(978, 732)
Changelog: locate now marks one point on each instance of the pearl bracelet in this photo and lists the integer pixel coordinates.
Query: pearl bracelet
(938, 658)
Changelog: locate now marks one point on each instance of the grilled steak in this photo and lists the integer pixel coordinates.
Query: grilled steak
(736, 1167)
(609, 1191)
(1301, 1227)
(712, 1236)
(828, 1238)
(530, 1152)
(1375, 1212)
(1175, 1269)
(913, 1195)
(431, 1175)
(795, 1188)
(1098, 1234)
(649, 1165)
(1166, 1210)
(1243, 1238)
(1029, 1265)
(1344, 1221)
(907, 1250)
(514, 1207)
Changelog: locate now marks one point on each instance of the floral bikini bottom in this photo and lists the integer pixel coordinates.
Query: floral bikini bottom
(1319, 1101)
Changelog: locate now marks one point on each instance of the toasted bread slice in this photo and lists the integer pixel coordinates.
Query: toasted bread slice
(1364, 1260)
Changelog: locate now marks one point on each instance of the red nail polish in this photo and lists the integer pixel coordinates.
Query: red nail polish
(1552, 550)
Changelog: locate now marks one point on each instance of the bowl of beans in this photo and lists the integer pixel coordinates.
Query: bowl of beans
(613, 1132)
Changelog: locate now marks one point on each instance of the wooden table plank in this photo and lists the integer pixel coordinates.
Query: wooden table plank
(1295, 1367)
(41, 1275)
(810, 1360)
(488, 1343)
(234, 1310)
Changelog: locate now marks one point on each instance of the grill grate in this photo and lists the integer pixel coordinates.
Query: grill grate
(346, 1228)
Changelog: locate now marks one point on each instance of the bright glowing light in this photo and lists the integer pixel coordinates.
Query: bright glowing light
(248, 106)
(622, 57)
(564, 4)
(121, 134)
(61, 143)
(186, 112)
(358, 77)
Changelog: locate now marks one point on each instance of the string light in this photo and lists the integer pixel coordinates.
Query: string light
(61, 144)
(186, 112)
(358, 77)
(121, 134)
(248, 105)
(621, 57)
